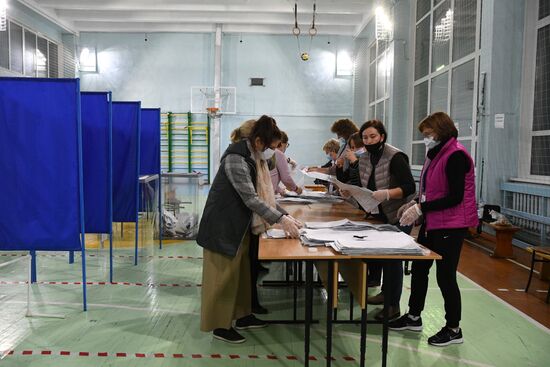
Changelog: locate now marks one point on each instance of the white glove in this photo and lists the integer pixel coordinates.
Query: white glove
(404, 207)
(410, 215)
(290, 226)
(296, 221)
(381, 195)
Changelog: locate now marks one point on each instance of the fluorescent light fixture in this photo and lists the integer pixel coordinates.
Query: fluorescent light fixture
(384, 26)
(3, 15)
(88, 60)
(344, 64)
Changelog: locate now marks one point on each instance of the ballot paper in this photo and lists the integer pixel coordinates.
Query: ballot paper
(362, 195)
(298, 200)
(314, 196)
(349, 225)
(275, 233)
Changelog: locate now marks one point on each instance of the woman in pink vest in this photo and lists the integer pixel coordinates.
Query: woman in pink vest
(446, 207)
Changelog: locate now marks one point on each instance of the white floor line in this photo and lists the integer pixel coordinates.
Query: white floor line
(523, 266)
(521, 313)
(412, 349)
(105, 305)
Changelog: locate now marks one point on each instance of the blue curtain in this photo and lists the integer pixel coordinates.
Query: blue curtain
(96, 146)
(126, 139)
(39, 159)
(150, 141)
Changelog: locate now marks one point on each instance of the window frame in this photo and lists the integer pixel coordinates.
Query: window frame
(387, 53)
(37, 35)
(449, 68)
(532, 25)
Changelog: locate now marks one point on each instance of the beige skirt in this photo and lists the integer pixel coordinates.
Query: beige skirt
(225, 287)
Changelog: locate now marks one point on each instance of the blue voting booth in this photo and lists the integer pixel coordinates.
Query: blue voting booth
(126, 157)
(42, 191)
(98, 165)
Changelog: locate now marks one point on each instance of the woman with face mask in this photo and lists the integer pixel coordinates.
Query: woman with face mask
(446, 207)
(240, 204)
(281, 171)
(385, 170)
(355, 150)
(343, 129)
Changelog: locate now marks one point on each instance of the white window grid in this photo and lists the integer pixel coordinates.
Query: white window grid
(37, 35)
(382, 55)
(473, 138)
(532, 26)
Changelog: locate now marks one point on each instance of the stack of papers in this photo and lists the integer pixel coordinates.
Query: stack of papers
(349, 225)
(314, 195)
(294, 199)
(363, 242)
(275, 233)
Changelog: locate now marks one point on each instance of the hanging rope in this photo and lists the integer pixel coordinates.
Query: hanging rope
(296, 31)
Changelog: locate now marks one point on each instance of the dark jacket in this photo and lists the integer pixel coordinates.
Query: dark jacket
(226, 219)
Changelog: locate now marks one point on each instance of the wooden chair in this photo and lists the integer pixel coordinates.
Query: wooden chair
(544, 253)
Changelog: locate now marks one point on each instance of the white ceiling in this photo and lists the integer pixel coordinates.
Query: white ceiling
(333, 17)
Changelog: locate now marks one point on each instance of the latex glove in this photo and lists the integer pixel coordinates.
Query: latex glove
(410, 215)
(381, 195)
(290, 226)
(296, 221)
(404, 207)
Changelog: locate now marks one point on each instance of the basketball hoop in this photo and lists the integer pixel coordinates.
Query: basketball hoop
(213, 112)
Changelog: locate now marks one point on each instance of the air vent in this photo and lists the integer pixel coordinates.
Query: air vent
(257, 82)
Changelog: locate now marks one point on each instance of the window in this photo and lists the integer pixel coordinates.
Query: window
(24, 52)
(446, 59)
(380, 66)
(535, 160)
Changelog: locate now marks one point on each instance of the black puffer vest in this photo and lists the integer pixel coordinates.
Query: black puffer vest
(225, 219)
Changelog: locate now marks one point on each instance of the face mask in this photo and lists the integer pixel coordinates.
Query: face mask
(267, 154)
(342, 142)
(329, 157)
(360, 152)
(373, 148)
(430, 142)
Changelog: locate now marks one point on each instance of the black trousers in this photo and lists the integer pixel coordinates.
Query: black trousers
(254, 265)
(448, 244)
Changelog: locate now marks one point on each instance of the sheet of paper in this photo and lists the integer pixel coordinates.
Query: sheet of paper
(361, 194)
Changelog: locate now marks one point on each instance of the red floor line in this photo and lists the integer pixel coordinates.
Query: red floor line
(66, 353)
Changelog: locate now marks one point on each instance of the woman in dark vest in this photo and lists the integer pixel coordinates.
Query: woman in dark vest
(385, 170)
(240, 203)
(447, 206)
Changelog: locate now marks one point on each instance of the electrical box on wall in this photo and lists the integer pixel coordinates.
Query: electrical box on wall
(257, 82)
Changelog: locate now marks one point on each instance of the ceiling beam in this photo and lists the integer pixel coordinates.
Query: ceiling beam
(328, 7)
(205, 17)
(136, 27)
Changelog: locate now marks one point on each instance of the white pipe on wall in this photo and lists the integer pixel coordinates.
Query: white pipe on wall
(215, 123)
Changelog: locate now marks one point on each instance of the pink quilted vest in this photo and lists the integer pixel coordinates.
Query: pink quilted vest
(464, 214)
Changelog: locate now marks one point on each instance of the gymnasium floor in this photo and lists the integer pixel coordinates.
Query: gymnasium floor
(153, 320)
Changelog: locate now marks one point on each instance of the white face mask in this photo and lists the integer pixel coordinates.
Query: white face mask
(359, 152)
(342, 142)
(430, 142)
(267, 154)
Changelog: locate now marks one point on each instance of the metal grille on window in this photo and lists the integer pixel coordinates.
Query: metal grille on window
(544, 8)
(540, 155)
(420, 107)
(16, 48)
(422, 7)
(42, 58)
(30, 53)
(4, 50)
(53, 60)
(462, 97)
(439, 93)
(464, 33)
(422, 49)
(541, 107)
(441, 35)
